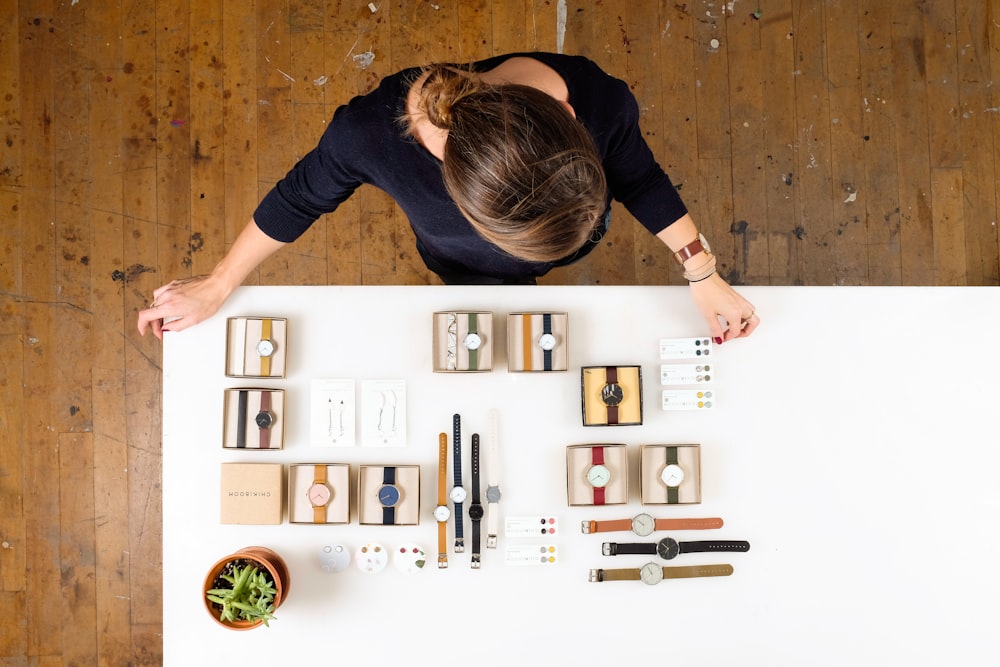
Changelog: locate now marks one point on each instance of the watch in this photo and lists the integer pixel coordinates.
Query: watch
(493, 494)
(265, 347)
(319, 494)
(473, 341)
(672, 475)
(441, 512)
(700, 244)
(598, 474)
(547, 341)
(241, 419)
(265, 419)
(476, 508)
(457, 492)
(644, 524)
(612, 393)
(388, 495)
(654, 573)
(668, 548)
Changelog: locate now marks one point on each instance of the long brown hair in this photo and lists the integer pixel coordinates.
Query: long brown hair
(520, 167)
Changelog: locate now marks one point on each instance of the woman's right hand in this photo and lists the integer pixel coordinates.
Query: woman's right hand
(182, 304)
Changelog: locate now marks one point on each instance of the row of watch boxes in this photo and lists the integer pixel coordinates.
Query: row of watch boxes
(252, 417)
(256, 347)
(321, 493)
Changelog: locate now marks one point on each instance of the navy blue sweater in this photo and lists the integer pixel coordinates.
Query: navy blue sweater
(366, 143)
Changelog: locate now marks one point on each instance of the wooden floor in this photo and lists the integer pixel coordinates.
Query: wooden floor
(816, 142)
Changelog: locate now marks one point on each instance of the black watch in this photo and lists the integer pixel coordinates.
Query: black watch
(476, 508)
(668, 548)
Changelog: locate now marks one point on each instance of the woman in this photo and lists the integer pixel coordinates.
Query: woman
(505, 168)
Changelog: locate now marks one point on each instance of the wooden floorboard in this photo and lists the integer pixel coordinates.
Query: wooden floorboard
(836, 142)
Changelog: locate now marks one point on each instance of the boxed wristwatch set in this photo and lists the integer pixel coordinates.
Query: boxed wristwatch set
(255, 347)
(464, 342)
(253, 418)
(598, 474)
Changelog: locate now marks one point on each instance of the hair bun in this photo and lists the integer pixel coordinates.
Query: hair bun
(444, 87)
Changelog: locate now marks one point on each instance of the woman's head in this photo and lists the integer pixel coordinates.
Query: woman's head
(520, 167)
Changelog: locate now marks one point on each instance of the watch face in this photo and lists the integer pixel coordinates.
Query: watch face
(651, 573)
(442, 513)
(265, 348)
(264, 419)
(457, 495)
(704, 243)
(476, 512)
(388, 495)
(668, 548)
(643, 525)
(547, 341)
(319, 494)
(612, 394)
(598, 476)
(473, 341)
(672, 475)
(493, 494)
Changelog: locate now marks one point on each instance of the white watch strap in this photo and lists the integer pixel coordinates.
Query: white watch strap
(492, 480)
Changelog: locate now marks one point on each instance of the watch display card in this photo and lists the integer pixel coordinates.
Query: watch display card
(685, 348)
(688, 399)
(332, 410)
(686, 374)
(383, 413)
(530, 554)
(530, 526)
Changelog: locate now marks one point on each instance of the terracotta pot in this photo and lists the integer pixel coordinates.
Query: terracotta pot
(266, 559)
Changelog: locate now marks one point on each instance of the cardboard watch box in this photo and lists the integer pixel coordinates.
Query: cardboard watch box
(536, 342)
(462, 342)
(319, 493)
(251, 493)
(611, 395)
(253, 418)
(389, 495)
(670, 474)
(256, 347)
(597, 474)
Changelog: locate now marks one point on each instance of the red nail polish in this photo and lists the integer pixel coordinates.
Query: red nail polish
(718, 341)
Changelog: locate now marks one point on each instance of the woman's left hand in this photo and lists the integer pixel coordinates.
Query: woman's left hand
(715, 299)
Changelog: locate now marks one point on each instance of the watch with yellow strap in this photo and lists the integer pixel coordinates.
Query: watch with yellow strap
(319, 494)
(441, 512)
(265, 347)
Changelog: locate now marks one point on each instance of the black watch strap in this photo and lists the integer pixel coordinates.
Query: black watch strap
(388, 513)
(547, 329)
(456, 439)
(241, 419)
(673, 496)
(476, 508)
(628, 548)
(703, 546)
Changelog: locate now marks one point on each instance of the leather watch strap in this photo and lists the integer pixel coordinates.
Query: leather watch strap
(442, 499)
(628, 548)
(527, 343)
(673, 497)
(689, 251)
(622, 525)
(456, 462)
(476, 507)
(611, 377)
(705, 546)
(265, 334)
(493, 482)
(547, 329)
(241, 418)
(473, 354)
(597, 459)
(669, 572)
(388, 479)
(265, 406)
(319, 477)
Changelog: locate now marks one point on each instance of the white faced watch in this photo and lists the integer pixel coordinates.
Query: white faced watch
(672, 475)
(598, 476)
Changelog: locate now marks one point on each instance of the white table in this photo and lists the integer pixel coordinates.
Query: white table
(854, 444)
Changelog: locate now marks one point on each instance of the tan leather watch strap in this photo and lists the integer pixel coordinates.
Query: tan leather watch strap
(319, 477)
(690, 571)
(611, 526)
(527, 344)
(688, 524)
(265, 334)
(689, 251)
(265, 406)
(442, 498)
(620, 574)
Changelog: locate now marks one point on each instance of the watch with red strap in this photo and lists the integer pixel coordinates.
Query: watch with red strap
(598, 474)
(700, 244)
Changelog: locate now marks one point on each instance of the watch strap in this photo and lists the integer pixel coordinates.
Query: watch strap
(669, 572)
(611, 377)
(527, 344)
(547, 329)
(319, 477)
(474, 329)
(388, 478)
(241, 419)
(493, 481)
(477, 515)
(456, 435)
(689, 251)
(265, 406)
(628, 548)
(673, 492)
(597, 459)
(442, 498)
(703, 546)
(265, 334)
(622, 525)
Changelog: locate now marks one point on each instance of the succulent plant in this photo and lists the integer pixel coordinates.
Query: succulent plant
(250, 596)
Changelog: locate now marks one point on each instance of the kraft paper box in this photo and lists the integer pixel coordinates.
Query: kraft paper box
(536, 342)
(670, 474)
(336, 477)
(597, 474)
(256, 347)
(252, 493)
(254, 419)
(611, 395)
(405, 501)
(463, 342)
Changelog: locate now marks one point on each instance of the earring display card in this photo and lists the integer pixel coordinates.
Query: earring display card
(670, 474)
(251, 493)
(378, 504)
(332, 409)
(256, 347)
(383, 413)
(463, 342)
(536, 342)
(253, 419)
(688, 399)
(611, 395)
(597, 474)
(319, 493)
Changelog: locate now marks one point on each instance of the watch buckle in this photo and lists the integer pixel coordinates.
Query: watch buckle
(491, 541)
(442, 561)
(587, 526)
(475, 561)
(595, 576)
(608, 549)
